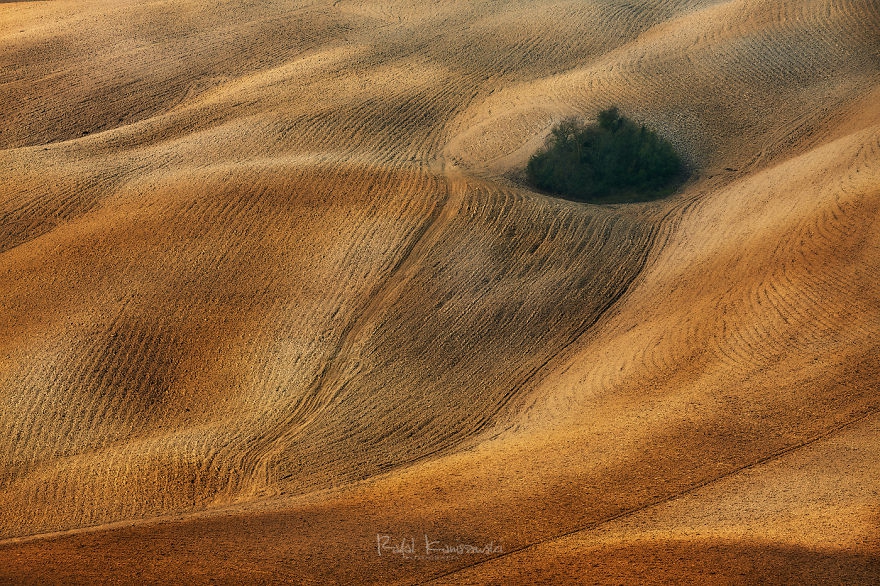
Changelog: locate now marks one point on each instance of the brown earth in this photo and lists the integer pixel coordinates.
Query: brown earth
(269, 299)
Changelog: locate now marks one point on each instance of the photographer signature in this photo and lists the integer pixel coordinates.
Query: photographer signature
(407, 546)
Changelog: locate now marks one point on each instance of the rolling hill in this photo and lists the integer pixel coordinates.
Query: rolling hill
(271, 296)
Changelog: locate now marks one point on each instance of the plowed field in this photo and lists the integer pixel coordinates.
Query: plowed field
(273, 307)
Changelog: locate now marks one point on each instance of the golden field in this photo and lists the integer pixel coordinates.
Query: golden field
(269, 294)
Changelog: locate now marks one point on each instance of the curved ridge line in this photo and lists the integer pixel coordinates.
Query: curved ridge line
(668, 499)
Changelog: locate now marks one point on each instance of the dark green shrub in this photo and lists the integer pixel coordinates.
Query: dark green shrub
(613, 160)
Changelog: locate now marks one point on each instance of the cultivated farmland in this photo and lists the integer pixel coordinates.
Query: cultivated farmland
(270, 291)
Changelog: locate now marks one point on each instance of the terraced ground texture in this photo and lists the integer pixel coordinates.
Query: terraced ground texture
(273, 307)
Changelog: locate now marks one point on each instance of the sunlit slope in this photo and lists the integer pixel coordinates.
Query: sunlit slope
(264, 249)
(807, 517)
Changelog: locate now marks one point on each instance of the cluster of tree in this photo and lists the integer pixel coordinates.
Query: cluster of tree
(612, 160)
